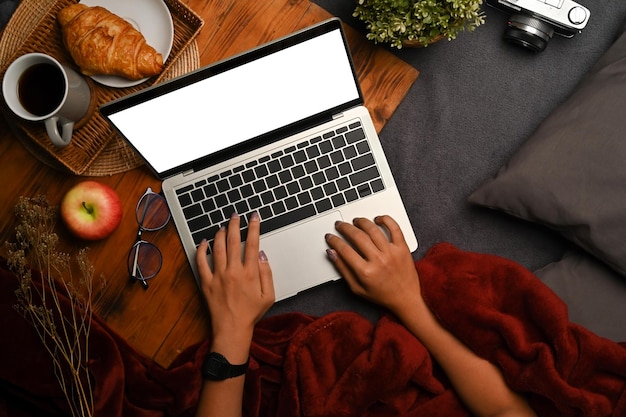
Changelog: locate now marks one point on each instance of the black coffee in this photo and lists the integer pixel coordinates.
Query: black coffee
(41, 88)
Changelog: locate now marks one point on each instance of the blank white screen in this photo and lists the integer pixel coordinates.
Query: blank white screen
(241, 103)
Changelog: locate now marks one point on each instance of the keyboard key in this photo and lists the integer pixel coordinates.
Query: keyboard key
(363, 147)
(261, 171)
(326, 147)
(246, 191)
(278, 208)
(280, 192)
(310, 167)
(222, 185)
(197, 195)
(319, 178)
(291, 203)
(199, 223)
(364, 176)
(216, 217)
(332, 173)
(273, 166)
(351, 195)
(234, 195)
(272, 181)
(323, 205)
(287, 161)
(210, 190)
(221, 200)
(298, 171)
(184, 200)
(259, 186)
(184, 189)
(299, 157)
(193, 211)
(304, 198)
(284, 177)
(267, 197)
(287, 218)
(338, 200)
(364, 190)
(317, 193)
(339, 142)
(330, 188)
(235, 180)
(355, 136)
(306, 183)
(363, 162)
(248, 176)
(323, 161)
(208, 206)
(254, 202)
(377, 185)
(293, 188)
(313, 151)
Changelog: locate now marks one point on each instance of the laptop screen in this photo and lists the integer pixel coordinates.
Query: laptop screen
(220, 107)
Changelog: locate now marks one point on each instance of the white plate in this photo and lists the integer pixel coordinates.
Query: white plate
(152, 18)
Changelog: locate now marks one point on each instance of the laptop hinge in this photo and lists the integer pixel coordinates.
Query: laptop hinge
(188, 172)
(337, 116)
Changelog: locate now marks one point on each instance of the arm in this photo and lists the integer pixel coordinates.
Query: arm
(364, 258)
(238, 293)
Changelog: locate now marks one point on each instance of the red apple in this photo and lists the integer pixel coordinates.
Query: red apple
(91, 210)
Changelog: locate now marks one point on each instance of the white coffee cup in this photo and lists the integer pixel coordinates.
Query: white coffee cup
(37, 87)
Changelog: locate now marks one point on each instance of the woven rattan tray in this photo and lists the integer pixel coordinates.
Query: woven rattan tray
(95, 148)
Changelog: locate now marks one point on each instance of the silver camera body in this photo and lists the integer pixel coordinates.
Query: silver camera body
(533, 22)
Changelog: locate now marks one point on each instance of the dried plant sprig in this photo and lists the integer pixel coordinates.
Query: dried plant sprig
(64, 331)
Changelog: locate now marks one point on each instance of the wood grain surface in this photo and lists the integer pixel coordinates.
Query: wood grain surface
(170, 316)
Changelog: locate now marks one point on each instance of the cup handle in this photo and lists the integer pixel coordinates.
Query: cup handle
(63, 138)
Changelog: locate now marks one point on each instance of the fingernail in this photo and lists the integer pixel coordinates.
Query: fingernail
(332, 254)
(254, 216)
(337, 223)
(327, 236)
(262, 256)
(234, 215)
(203, 241)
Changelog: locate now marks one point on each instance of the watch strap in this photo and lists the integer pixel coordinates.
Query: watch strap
(217, 368)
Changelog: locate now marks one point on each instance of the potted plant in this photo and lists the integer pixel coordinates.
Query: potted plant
(418, 22)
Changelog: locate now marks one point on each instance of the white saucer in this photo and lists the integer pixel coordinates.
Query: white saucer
(152, 18)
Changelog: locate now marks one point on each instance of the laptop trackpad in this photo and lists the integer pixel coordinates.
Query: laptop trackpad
(297, 255)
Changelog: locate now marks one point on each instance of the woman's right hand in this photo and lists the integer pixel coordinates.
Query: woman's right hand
(376, 267)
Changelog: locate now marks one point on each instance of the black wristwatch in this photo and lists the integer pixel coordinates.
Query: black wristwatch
(217, 368)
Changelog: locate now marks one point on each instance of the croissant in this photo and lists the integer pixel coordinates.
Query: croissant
(102, 43)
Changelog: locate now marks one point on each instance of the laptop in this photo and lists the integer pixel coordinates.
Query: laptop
(280, 130)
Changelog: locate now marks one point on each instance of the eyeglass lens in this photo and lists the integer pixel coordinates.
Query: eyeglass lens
(152, 212)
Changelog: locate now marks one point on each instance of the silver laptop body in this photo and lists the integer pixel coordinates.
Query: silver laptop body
(281, 130)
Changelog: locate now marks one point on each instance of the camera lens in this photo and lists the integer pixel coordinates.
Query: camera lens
(528, 32)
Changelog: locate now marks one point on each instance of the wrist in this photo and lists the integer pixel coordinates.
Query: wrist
(234, 346)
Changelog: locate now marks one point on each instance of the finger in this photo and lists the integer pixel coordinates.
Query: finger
(219, 250)
(202, 263)
(360, 240)
(233, 240)
(377, 236)
(252, 242)
(266, 278)
(350, 257)
(345, 271)
(395, 233)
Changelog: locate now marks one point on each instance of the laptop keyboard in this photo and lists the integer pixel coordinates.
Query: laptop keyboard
(293, 184)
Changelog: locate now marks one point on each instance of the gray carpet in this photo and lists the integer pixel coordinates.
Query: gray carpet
(475, 102)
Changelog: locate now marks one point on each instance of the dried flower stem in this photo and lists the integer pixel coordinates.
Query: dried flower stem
(59, 308)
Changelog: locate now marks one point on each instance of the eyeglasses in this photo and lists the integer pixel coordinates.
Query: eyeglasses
(145, 259)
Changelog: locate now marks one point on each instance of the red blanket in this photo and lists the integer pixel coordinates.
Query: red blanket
(343, 365)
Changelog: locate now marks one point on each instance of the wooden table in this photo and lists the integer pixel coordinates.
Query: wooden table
(170, 316)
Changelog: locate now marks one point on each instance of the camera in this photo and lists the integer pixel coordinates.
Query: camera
(533, 22)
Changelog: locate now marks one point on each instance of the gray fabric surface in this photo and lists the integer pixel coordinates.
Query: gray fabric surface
(476, 101)
(570, 173)
(7, 7)
(600, 292)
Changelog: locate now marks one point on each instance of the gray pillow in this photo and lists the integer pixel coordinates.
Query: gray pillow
(595, 295)
(570, 175)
